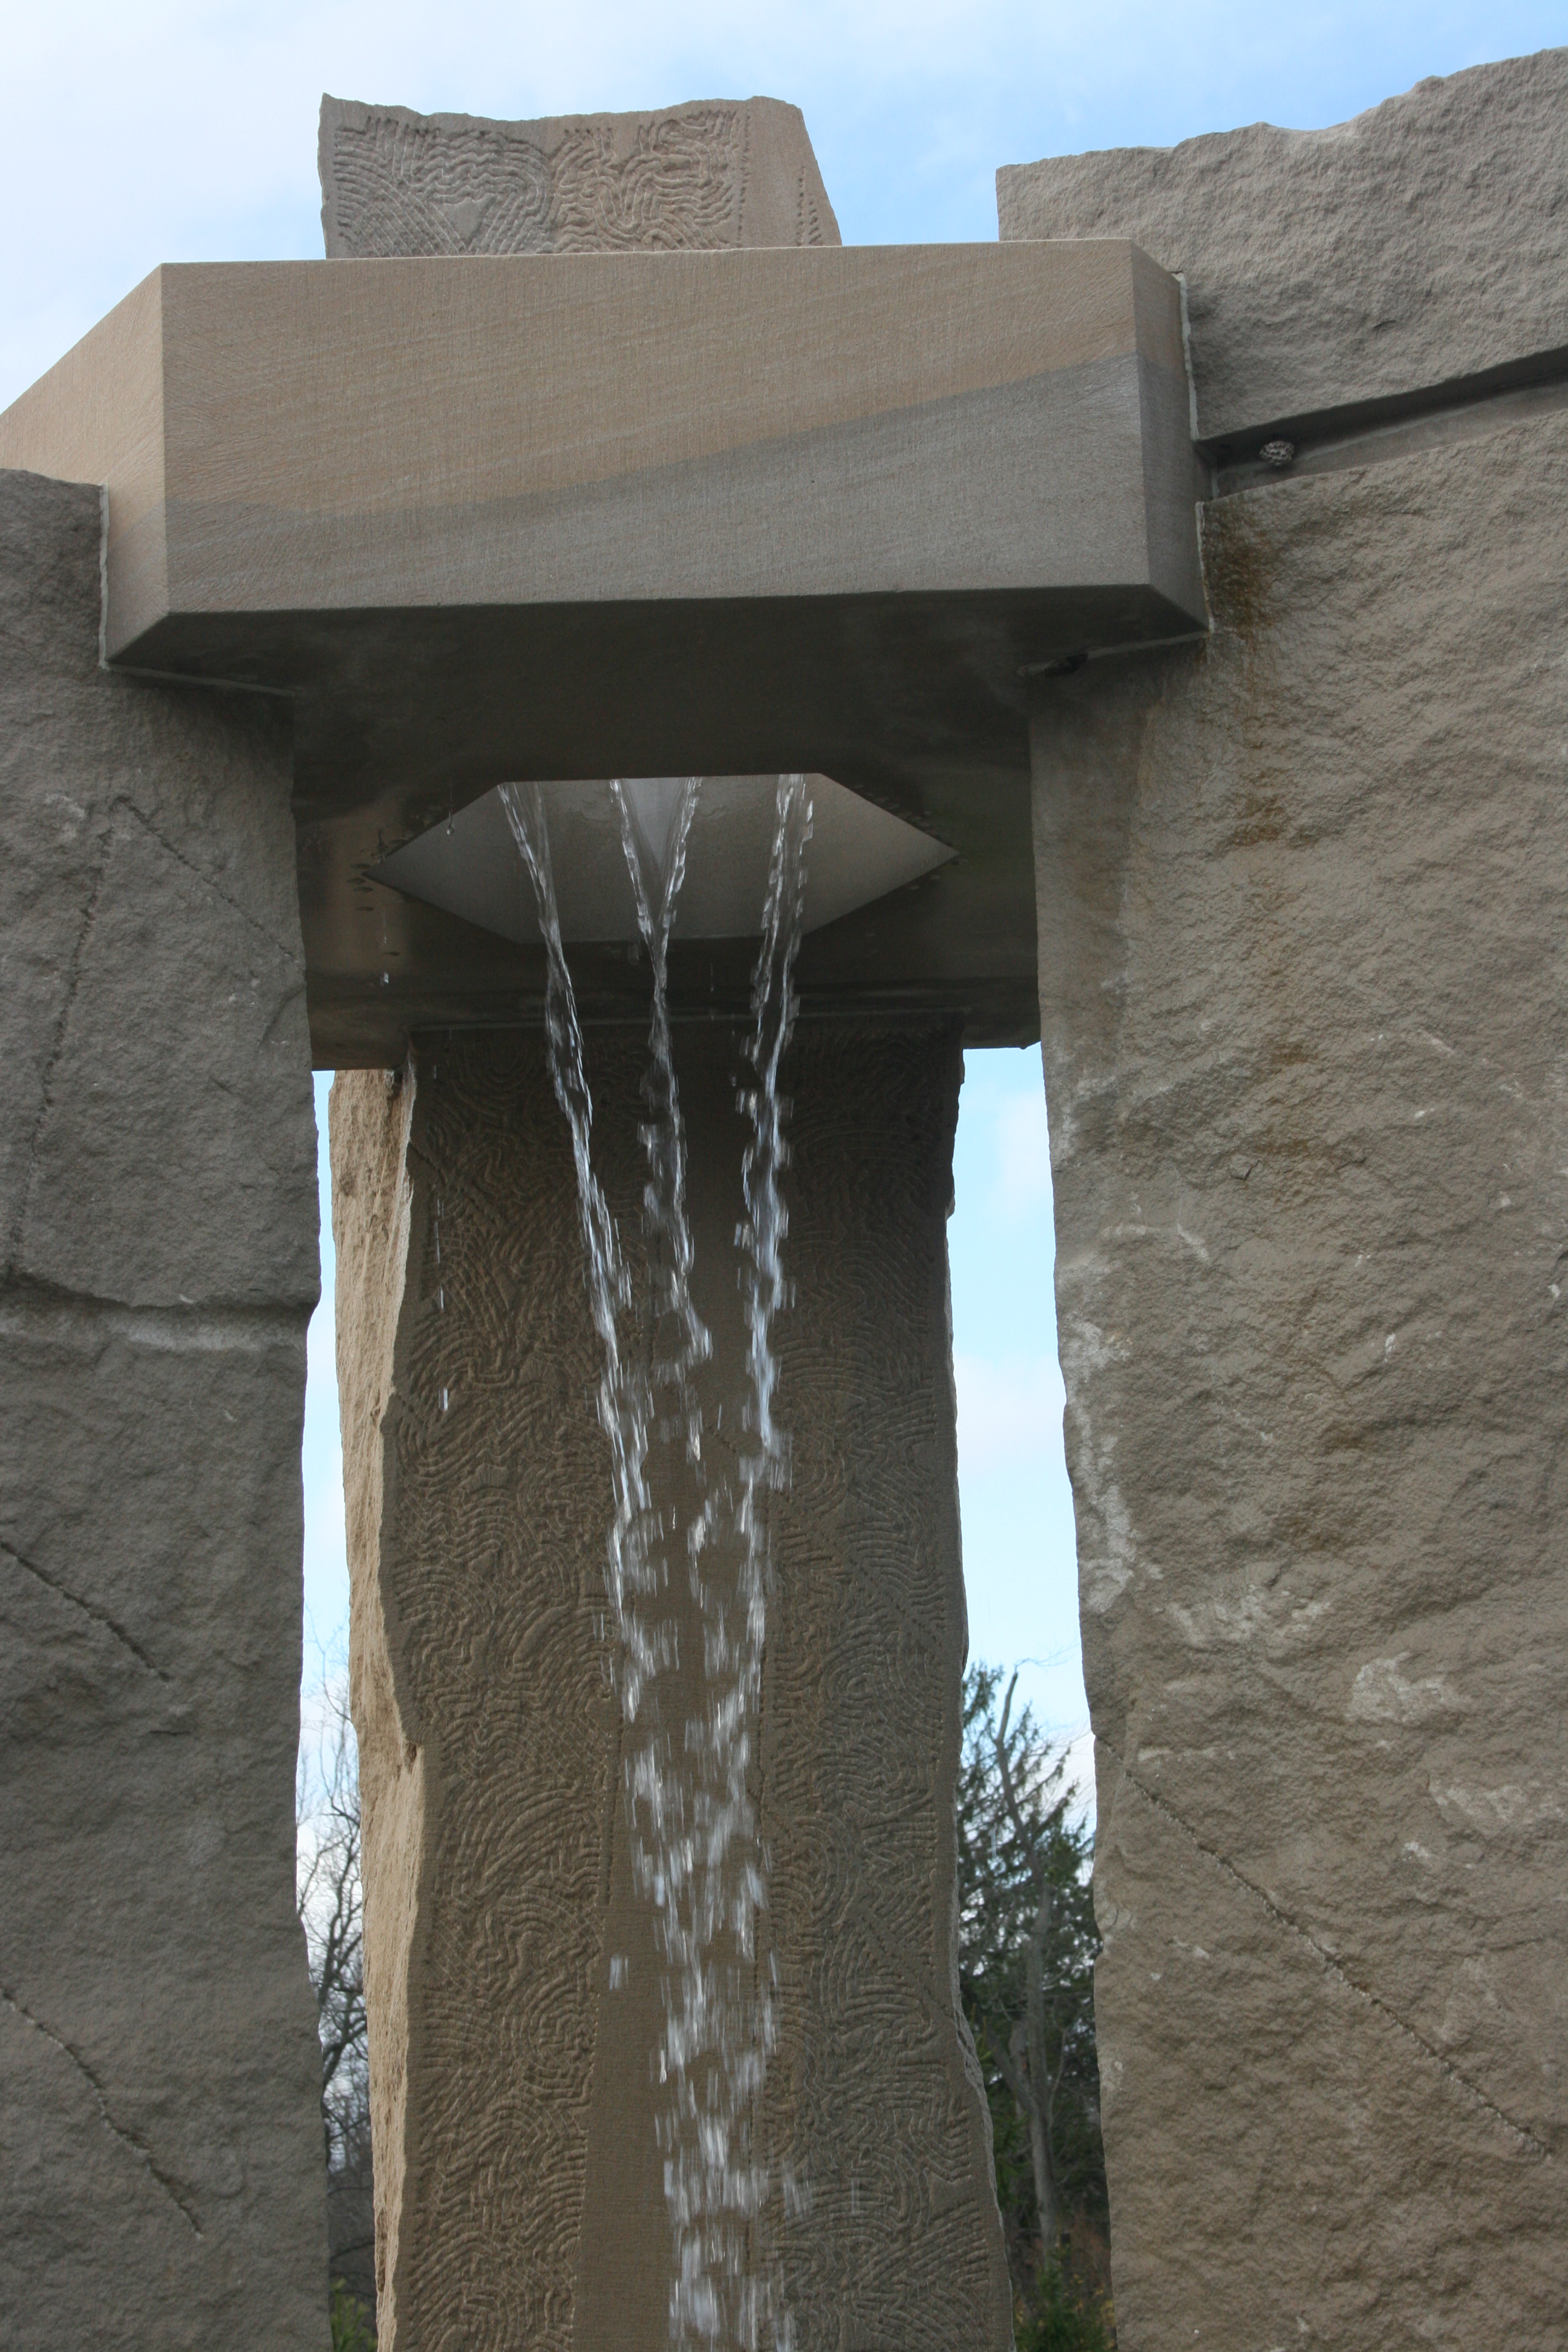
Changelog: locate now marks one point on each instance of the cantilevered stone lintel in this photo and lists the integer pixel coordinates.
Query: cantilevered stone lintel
(574, 514)
(291, 445)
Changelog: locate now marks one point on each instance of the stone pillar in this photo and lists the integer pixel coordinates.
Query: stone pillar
(1301, 972)
(161, 2170)
(518, 2176)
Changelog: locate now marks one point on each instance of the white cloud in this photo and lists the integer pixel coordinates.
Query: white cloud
(320, 1346)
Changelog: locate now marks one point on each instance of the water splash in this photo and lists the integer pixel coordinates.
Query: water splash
(695, 1845)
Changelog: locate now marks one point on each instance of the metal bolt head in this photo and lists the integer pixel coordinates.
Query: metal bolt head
(1278, 455)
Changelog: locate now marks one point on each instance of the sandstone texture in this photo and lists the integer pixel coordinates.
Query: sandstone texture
(519, 2181)
(517, 2174)
(1301, 976)
(1302, 967)
(715, 172)
(161, 2178)
(1426, 240)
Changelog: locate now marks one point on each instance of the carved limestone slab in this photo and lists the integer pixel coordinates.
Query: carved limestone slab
(716, 173)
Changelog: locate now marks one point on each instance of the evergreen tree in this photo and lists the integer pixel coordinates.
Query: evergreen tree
(1026, 1952)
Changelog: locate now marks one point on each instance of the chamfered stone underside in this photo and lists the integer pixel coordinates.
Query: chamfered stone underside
(579, 514)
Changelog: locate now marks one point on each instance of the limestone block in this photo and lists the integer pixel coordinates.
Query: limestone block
(1302, 964)
(716, 173)
(161, 2177)
(517, 2174)
(180, 954)
(1423, 241)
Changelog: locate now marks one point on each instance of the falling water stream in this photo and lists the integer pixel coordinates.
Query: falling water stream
(696, 1856)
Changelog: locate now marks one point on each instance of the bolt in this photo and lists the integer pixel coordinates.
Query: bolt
(1278, 455)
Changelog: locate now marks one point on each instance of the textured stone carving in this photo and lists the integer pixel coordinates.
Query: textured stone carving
(705, 175)
(160, 2134)
(1302, 957)
(518, 2173)
(875, 2092)
(519, 2181)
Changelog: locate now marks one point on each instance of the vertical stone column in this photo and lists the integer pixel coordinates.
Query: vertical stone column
(519, 2182)
(161, 2173)
(518, 2176)
(1301, 977)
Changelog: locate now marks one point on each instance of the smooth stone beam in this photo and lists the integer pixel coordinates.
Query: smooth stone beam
(583, 514)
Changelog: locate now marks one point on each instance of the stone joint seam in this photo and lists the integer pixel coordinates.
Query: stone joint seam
(138, 2148)
(89, 1608)
(1334, 1968)
(1358, 432)
(46, 1311)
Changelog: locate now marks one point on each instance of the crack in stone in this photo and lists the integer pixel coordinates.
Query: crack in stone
(87, 1608)
(1334, 1967)
(51, 1313)
(79, 953)
(138, 2148)
(73, 983)
(206, 881)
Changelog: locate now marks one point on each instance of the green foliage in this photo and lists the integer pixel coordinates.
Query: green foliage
(352, 2331)
(1009, 1855)
(1059, 2317)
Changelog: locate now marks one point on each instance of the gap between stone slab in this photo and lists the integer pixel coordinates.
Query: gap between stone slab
(1400, 425)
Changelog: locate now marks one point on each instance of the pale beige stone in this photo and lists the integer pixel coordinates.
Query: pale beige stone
(1302, 965)
(716, 173)
(518, 2173)
(1426, 240)
(285, 438)
(661, 512)
(160, 2175)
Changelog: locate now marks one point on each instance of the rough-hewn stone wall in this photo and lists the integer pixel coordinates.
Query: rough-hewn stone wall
(518, 2173)
(160, 2176)
(1303, 954)
(1426, 241)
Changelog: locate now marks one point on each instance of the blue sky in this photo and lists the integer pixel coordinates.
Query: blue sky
(185, 130)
